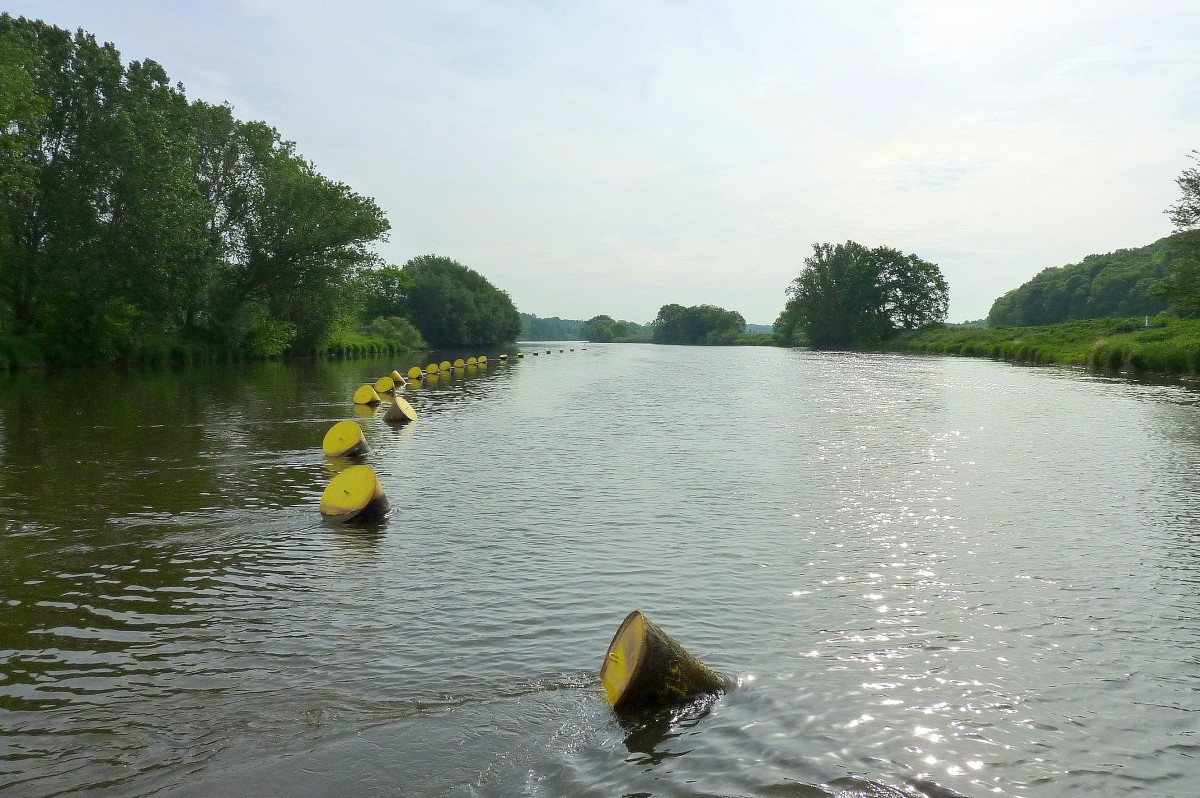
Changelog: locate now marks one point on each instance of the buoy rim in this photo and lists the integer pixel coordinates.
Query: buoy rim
(623, 657)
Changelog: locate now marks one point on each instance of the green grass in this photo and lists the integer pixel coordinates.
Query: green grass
(1168, 346)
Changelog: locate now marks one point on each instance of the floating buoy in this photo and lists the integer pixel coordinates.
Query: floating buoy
(503, 357)
(366, 395)
(432, 368)
(415, 373)
(399, 411)
(548, 352)
(645, 668)
(385, 385)
(520, 354)
(561, 351)
(354, 495)
(459, 363)
(471, 361)
(482, 360)
(397, 377)
(572, 350)
(345, 439)
(445, 365)
(535, 354)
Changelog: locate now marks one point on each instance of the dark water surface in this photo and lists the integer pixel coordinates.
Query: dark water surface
(928, 576)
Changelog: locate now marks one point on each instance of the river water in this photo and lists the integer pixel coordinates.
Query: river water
(927, 576)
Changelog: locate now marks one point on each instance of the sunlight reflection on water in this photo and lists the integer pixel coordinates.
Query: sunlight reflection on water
(927, 575)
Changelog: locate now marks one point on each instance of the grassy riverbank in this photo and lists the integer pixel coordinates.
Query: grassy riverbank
(1167, 346)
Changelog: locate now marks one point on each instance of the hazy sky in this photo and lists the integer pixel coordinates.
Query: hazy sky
(611, 157)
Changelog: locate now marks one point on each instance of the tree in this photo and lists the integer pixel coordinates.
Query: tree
(1185, 214)
(697, 325)
(455, 306)
(849, 295)
(1182, 287)
(385, 291)
(131, 218)
(601, 329)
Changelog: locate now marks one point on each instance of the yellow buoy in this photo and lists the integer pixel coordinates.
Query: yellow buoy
(482, 360)
(400, 411)
(385, 385)
(459, 363)
(354, 495)
(445, 365)
(432, 368)
(366, 395)
(414, 373)
(471, 361)
(345, 439)
(397, 377)
(644, 667)
(520, 354)
(503, 356)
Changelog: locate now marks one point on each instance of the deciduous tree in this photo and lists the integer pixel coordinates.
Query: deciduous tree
(849, 295)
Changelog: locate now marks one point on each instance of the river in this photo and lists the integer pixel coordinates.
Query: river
(927, 576)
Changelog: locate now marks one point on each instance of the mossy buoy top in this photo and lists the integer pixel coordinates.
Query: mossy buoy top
(366, 395)
(344, 438)
(353, 492)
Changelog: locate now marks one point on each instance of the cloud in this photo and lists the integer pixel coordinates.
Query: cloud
(581, 155)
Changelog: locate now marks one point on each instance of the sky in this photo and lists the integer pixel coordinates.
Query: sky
(612, 157)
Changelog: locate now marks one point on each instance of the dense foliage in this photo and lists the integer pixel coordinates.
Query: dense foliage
(550, 329)
(849, 295)
(1185, 214)
(598, 328)
(132, 220)
(604, 329)
(1167, 345)
(1118, 284)
(1182, 286)
(455, 306)
(697, 325)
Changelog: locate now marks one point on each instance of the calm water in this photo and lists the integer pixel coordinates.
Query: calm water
(928, 576)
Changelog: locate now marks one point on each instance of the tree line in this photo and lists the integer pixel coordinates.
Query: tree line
(134, 223)
(1146, 281)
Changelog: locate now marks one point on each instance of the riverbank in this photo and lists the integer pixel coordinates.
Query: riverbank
(1167, 346)
(18, 353)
